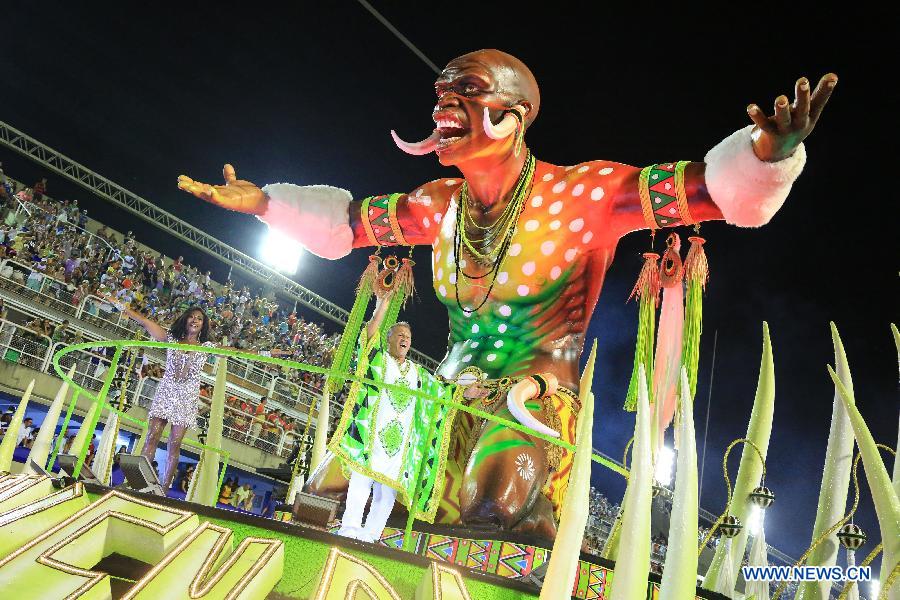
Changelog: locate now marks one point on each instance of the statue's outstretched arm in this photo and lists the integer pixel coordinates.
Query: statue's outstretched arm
(325, 219)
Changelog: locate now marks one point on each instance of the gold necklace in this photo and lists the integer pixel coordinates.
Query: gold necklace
(493, 257)
(502, 227)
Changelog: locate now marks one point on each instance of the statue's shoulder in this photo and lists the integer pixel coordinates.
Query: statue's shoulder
(437, 191)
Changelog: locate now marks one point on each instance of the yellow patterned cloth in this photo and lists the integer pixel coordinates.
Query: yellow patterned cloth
(560, 412)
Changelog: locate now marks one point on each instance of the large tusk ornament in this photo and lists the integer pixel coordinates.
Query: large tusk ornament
(426, 146)
(506, 127)
(515, 401)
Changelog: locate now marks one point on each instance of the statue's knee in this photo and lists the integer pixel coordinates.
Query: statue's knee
(489, 512)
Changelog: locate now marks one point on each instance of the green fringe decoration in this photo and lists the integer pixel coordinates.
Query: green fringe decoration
(696, 273)
(343, 355)
(647, 291)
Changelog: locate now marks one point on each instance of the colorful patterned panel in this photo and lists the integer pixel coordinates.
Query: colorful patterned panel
(592, 582)
(438, 547)
(393, 538)
(662, 195)
(506, 559)
(598, 580)
(479, 555)
(516, 560)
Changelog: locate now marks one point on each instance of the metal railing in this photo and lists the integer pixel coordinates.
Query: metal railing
(99, 312)
(91, 367)
(30, 282)
(23, 346)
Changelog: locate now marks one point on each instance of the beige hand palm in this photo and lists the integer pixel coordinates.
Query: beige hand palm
(237, 194)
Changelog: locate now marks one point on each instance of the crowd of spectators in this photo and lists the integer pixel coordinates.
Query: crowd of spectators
(51, 238)
(602, 516)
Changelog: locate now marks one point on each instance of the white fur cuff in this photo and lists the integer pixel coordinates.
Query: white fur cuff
(747, 190)
(317, 216)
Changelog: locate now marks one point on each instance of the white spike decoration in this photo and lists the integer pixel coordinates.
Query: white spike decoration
(633, 560)
(40, 449)
(320, 439)
(106, 448)
(505, 128)
(85, 435)
(887, 503)
(896, 476)
(679, 578)
(835, 481)
(204, 485)
(8, 445)
(426, 146)
(749, 474)
(563, 567)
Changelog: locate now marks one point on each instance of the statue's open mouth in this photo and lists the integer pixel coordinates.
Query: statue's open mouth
(450, 130)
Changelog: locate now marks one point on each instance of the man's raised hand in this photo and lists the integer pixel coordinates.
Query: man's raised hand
(776, 137)
(236, 194)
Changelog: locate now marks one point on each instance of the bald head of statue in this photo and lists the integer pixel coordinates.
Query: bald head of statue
(510, 79)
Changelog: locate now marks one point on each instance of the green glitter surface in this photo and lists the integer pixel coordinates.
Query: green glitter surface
(304, 559)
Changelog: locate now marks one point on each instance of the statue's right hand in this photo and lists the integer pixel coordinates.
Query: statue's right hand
(236, 194)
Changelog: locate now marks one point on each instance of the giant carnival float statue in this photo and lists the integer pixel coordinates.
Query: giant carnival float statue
(520, 251)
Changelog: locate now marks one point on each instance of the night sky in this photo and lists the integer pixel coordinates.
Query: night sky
(308, 94)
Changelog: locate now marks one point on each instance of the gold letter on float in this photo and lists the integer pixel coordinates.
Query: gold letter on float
(346, 576)
(29, 507)
(442, 583)
(203, 566)
(57, 563)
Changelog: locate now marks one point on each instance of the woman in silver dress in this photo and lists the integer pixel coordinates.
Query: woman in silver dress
(177, 395)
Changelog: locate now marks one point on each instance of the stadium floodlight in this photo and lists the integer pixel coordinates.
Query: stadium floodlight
(280, 252)
(664, 462)
(755, 520)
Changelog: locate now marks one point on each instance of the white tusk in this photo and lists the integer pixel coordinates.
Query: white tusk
(506, 127)
(515, 401)
(419, 148)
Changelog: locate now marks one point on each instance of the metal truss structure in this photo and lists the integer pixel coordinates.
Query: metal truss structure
(149, 212)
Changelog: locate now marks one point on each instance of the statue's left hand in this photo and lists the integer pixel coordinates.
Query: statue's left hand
(775, 138)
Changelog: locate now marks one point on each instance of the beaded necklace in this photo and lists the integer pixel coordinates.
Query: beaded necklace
(501, 229)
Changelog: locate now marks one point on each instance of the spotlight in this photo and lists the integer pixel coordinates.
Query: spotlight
(664, 461)
(281, 252)
(755, 520)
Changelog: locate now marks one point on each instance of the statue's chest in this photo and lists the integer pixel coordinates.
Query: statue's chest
(550, 238)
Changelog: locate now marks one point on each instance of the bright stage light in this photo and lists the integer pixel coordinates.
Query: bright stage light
(664, 461)
(875, 587)
(755, 520)
(281, 252)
